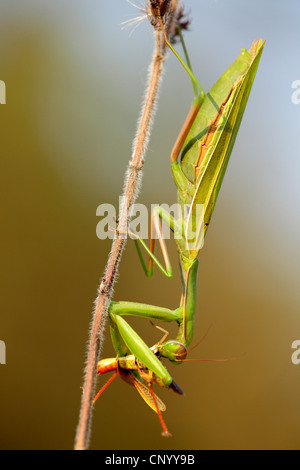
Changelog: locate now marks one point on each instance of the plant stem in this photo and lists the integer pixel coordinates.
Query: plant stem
(132, 186)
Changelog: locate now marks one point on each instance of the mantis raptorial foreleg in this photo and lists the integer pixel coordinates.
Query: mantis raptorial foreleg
(159, 214)
(184, 315)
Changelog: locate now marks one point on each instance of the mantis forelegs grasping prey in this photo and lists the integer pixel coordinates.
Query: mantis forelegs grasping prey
(204, 146)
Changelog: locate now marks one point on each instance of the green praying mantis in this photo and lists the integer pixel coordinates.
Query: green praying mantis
(204, 146)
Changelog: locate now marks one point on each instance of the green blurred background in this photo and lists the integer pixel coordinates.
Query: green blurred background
(75, 81)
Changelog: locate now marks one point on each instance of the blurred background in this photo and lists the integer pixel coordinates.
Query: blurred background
(75, 81)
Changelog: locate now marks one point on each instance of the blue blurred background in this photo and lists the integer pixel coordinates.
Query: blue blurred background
(75, 81)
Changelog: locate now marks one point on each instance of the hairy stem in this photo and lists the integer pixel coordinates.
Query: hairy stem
(131, 189)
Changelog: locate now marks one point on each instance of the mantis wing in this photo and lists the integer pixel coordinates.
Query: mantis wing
(210, 141)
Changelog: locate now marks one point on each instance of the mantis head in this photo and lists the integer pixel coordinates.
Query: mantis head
(173, 350)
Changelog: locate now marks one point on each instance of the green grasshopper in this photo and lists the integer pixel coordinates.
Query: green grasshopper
(205, 144)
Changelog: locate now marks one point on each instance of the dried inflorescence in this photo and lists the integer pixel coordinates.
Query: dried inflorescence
(159, 9)
(180, 21)
(168, 13)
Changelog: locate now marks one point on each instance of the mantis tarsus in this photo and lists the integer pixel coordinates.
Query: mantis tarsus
(205, 144)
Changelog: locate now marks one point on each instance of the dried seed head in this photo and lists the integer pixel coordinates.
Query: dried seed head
(158, 9)
(180, 21)
(170, 13)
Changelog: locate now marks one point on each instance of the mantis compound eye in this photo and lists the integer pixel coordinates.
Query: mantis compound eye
(174, 351)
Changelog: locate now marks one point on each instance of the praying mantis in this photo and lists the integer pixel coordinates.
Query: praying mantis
(204, 146)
